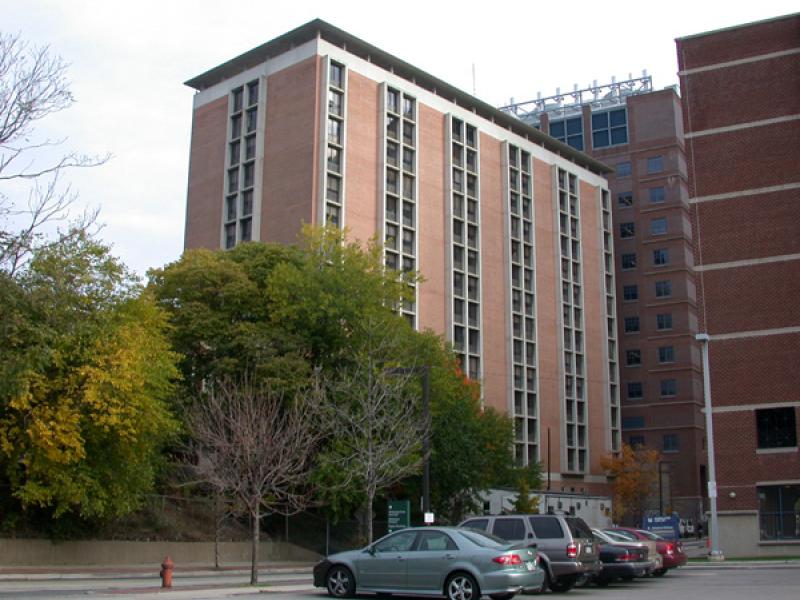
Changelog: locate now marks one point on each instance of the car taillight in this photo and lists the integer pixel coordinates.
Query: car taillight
(572, 550)
(670, 549)
(626, 556)
(508, 559)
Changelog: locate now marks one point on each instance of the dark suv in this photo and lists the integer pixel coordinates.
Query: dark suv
(565, 544)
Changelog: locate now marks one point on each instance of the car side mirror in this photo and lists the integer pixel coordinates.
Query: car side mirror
(530, 534)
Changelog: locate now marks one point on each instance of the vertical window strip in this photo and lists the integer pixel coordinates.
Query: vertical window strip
(574, 367)
(523, 354)
(241, 173)
(401, 189)
(611, 322)
(464, 202)
(335, 114)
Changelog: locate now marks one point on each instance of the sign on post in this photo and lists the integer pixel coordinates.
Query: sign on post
(399, 515)
(666, 526)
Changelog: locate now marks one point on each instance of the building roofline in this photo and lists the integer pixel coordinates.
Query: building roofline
(734, 27)
(319, 29)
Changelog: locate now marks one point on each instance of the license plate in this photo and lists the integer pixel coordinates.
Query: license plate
(531, 565)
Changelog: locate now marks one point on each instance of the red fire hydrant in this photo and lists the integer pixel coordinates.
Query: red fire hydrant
(166, 572)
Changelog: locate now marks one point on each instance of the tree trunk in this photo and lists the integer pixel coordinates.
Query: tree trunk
(370, 500)
(255, 517)
(217, 525)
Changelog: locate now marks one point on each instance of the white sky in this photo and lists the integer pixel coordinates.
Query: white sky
(128, 60)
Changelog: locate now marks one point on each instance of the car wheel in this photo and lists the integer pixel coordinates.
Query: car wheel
(504, 596)
(462, 586)
(659, 572)
(340, 582)
(561, 584)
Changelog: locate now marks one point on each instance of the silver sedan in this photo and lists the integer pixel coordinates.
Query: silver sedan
(459, 564)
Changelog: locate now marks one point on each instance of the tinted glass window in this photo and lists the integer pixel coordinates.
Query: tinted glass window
(509, 529)
(578, 528)
(477, 524)
(546, 527)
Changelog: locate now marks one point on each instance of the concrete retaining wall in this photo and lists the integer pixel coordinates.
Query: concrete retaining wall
(100, 553)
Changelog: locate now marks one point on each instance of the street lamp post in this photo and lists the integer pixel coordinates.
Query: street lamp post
(716, 553)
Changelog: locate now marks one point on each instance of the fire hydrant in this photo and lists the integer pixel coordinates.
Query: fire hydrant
(166, 572)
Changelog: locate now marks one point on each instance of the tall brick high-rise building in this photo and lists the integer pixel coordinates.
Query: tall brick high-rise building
(511, 229)
(638, 132)
(740, 90)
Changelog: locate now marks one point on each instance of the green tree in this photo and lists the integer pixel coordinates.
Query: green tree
(85, 374)
(524, 503)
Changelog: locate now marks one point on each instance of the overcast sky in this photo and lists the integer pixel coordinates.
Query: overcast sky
(128, 61)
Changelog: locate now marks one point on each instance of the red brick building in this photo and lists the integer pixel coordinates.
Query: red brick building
(741, 108)
(511, 229)
(639, 133)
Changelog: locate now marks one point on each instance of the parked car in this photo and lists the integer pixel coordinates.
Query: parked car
(566, 547)
(459, 564)
(671, 551)
(686, 527)
(652, 548)
(621, 560)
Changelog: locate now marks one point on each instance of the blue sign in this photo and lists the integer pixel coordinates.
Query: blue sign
(668, 527)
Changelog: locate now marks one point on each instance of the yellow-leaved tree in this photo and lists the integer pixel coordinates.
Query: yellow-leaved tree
(634, 474)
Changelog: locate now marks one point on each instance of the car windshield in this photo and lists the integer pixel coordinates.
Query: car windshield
(481, 538)
(578, 527)
(651, 536)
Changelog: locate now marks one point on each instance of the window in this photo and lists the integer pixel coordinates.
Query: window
(635, 390)
(230, 235)
(333, 188)
(252, 93)
(661, 256)
(247, 203)
(668, 387)
(670, 442)
(431, 541)
(609, 128)
(481, 524)
(658, 226)
(546, 527)
(657, 194)
(569, 131)
(509, 529)
(664, 321)
(632, 422)
(334, 159)
(630, 292)
(238, 95)
(252, 120)
(633, 358)
(655, 164)
(627, 230)
(336, 75)
(631, 324)
(245, 229)
(629, 261)
(663, 289)
(625, 199)
(777, 427)
(624, 169)
(335, 102)
(399, 542)
(666, 354)
(778, 509)
(636, 440)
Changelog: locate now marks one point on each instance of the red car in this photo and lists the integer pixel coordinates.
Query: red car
(671, 551)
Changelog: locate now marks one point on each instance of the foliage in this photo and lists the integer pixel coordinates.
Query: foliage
(252, 444)
(33, 86)
(85, 371)
(635, 473)
(524, 503)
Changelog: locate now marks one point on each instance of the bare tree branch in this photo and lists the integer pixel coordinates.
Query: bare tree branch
(254, 444)
(33, 85)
